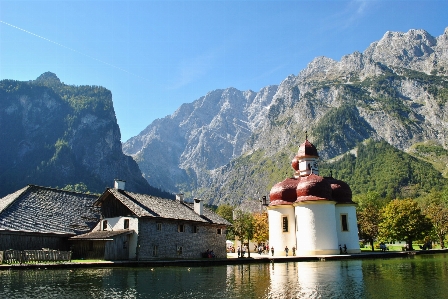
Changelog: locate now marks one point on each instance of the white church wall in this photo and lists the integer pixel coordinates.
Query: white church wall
(348, 235)
(278, 238)
(316, 232)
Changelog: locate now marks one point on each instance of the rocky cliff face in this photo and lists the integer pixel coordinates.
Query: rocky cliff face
(55, 135)
(396, 90)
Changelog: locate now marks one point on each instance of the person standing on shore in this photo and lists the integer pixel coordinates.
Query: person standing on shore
(286, 250)
(272, 250)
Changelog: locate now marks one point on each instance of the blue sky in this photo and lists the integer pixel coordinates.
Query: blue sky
(156, 55)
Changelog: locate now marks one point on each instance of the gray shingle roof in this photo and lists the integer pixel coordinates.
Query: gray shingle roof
(46, 210)
(101, 234)
(143, 205)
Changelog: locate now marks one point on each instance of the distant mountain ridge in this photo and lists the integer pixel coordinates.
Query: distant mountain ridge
(396, 91)
(56, 135)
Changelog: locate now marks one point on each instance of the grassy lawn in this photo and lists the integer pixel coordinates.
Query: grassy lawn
(398, 247)
(87, 261)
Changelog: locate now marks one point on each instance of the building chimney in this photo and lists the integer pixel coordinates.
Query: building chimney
(198, 206)
(180, 197)
(264, 201)
(119, 184)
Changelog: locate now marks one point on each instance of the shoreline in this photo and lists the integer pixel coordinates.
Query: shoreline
(232, 259)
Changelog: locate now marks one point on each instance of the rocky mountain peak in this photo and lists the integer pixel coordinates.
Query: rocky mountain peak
(318, 67)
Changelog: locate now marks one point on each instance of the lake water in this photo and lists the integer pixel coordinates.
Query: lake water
(421, 276)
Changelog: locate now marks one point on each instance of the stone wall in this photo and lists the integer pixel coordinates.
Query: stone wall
(169, 240)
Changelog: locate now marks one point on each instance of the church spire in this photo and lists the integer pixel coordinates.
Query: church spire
(305, 162)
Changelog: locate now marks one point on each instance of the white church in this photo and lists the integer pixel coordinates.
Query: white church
(314, 214)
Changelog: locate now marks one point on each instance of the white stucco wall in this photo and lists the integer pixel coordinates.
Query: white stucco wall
(277, 238)
(350, 237)
(316, 231)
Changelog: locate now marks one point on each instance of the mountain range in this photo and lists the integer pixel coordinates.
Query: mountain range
(231, 145)
(377, 119)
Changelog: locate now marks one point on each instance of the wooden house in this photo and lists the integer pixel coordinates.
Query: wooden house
(144, 227)
(37, 217)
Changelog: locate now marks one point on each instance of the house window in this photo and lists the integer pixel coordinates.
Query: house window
(344, 223)
(195, 229)
(159, 225)
(155, 250)
(126, 224)
(179, 250)
(285, 223)
(181, 228)
(219, 231)
(104, 224)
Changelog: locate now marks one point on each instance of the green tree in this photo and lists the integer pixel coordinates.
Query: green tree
(435, 207)
(368, 215)
(368, 223)
(404, 220)
(371, 198)
(80, 188)
(226, 212)
(243, 226)
(438, 214)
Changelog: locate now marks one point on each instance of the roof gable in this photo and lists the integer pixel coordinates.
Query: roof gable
(10, 198)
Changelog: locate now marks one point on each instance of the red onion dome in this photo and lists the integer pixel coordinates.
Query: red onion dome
(341, 191)
(306, 149)
(295, 163)
(284, 193)
(313, 187)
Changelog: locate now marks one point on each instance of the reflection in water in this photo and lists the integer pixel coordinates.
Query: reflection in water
(417, 277)
(336, 279)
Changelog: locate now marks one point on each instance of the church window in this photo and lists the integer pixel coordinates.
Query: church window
(344, 223)
(285, 223)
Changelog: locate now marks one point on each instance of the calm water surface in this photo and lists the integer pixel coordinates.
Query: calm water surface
(423, 276)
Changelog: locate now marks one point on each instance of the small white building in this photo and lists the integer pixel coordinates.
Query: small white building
(314, 214)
